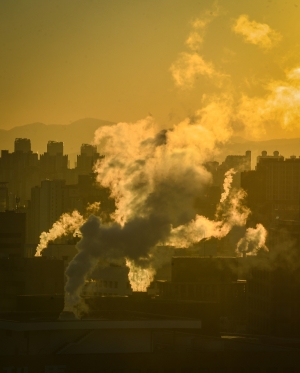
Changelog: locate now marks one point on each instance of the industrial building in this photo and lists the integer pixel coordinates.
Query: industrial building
(12, 234)
(28, 276)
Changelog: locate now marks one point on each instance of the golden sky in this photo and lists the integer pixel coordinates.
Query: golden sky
(119, 60)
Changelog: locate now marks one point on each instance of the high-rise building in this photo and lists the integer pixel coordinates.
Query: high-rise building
(45, 208)
(22, 145)
(55, 147)
(53, 163)
(51, 193)
(239, 163)
(87, 159)
(274, 187)
(20, 170)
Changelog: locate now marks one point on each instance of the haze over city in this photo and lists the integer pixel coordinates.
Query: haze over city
(118, 61)
(149, 185)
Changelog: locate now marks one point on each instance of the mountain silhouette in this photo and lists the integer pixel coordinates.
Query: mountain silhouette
(82, 131)
(73, 134)
(238, 146)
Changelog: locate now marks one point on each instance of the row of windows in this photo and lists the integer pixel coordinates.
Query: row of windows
(107, 284)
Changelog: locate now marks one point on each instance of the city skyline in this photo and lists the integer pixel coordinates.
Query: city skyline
(164, 235)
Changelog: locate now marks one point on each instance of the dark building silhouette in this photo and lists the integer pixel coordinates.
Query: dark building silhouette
(22, 145)
(273, 295)
(23, 169)
(53, 198)
(55, 148)
(12, 234)
(3, 196)
(238, 162)
(210, 279)
(53, 163)
(87, 159)
(20, 169)
(28, 276)
(45, 207)
(273, 188)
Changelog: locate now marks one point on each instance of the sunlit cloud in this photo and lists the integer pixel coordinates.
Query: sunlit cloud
(191, 65)
(256, 33)
(281, 106)
(188, 67)
(196, 36)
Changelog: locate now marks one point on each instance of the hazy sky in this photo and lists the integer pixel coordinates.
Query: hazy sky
(119, 60)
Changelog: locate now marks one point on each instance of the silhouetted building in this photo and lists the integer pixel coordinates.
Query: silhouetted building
(55, 148)
(28, 276)
(207, 202)
(53, 163)
(53, 198)
(284, 235)
(45, 207)
(87, 159)
(273, 189)
(109, 280)
(20, 170)
(12, 234)
(273, 297)
(3, 196)
(22, 145)
(239, 163)
(91, 191)
(214, 279)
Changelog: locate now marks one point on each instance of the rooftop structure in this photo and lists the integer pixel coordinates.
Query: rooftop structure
(22, 145)
(55, 147)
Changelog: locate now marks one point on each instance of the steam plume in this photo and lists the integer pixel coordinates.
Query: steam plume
(67, 223)
(235, 214)
(190, 64)
(227, 184)
(139, 278)
(155, 179)
(254, 239)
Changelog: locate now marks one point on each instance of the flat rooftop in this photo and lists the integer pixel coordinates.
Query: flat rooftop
(98, 324)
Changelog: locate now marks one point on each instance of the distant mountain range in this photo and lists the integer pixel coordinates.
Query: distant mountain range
(82, 131)
(238, 146)
(73, 135)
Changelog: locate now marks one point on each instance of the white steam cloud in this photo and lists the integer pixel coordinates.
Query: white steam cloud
(280, 106)
(253, 241)
(227, 184)
(191, 64)
(65, 225)
(256, 33)
(155, 179)
(230, 212)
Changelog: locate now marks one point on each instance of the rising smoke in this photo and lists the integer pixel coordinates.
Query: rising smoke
(253, 241)
(155, 179)
(65, 225)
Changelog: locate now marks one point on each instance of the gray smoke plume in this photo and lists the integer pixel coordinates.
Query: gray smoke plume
(155, 178)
